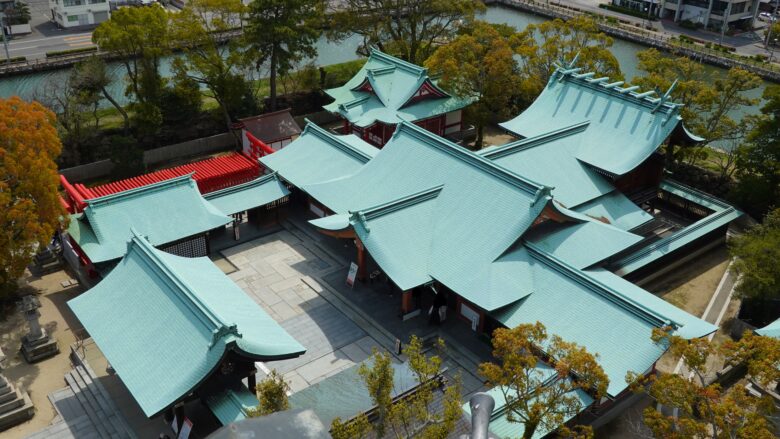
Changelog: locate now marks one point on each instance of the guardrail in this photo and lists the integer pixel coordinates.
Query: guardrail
(664, 42)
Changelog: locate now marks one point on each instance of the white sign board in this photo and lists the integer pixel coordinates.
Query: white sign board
(470, 315)
(186, 428)
(175, 424)
(353, 269)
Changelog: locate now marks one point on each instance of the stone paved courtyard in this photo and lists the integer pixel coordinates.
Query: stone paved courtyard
(290, 274)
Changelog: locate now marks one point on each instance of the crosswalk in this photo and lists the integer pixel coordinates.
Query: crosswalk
(78, 40)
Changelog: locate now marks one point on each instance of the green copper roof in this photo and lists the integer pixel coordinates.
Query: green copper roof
(582, 244)
(231, 404)
(624, 127)
(722, 215)
(608, 315)
(165, 322)
(249, 195)
(393, 83)
(345, 395)
(499, 422)
(550, 158)
(164, 212)
(317, 155)
(617, 209)
(468, 231)
(770, 330)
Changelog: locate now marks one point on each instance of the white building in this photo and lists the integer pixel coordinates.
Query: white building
(711, 13)
(72, 13)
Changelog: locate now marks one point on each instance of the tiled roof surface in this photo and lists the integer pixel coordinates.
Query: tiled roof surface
(393, 83)
(165, 322)
(245, 196)
(164, 212)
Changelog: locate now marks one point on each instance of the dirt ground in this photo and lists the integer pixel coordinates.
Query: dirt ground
(45, 376)
(691, 286)
(494, 135)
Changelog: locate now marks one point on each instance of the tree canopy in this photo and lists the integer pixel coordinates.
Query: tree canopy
(758, 160)
(708, 98)
(416, 415)
(532, 399)
(409, 29)
(29, 194)
(757, 259)
(704, 408)
(481, 65)
(272, 394)
(548, 44)
(282, 33)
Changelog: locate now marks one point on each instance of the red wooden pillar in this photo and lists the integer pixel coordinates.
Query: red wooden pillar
(361, 260)
(407, 304)
(345, 130)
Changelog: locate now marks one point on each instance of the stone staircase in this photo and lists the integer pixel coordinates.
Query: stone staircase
(85, 410)
(15, 405)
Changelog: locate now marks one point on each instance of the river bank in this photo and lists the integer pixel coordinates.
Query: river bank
(628, 31)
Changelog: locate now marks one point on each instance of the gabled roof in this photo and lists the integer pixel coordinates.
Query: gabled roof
(249, 195)
(271, 127)
(165, 322)
(383, 89)
(625, 127)
(722, 215)
(607, 315)
(468, 230)
(318, 155)
(551, 158)
(617, 209)
(164, 212)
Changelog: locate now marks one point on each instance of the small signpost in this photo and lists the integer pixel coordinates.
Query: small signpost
(186, 428)
(353, 269)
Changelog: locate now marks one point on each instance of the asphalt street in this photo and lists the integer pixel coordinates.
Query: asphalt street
(46, 36)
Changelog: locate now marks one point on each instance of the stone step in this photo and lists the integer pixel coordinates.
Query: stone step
(8, 394)
(101, 395)
(13, 404)
(18, 415)
(95, 404)
(95, 417)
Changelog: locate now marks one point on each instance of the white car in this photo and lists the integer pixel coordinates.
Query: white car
(765, 16)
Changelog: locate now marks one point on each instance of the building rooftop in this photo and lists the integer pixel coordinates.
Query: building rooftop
(165, 323)
(390, 90)
(624, 126)
(164, 212)
(271, 127)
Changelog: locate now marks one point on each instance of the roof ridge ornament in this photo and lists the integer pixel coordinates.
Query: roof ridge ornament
(665, 97)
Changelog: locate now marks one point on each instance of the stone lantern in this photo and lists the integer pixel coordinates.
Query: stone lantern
(37, 344)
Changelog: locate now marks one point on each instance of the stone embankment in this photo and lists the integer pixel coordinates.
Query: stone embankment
(625, 31)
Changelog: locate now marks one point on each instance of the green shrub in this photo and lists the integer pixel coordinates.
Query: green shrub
(13, 59)
(57, 53)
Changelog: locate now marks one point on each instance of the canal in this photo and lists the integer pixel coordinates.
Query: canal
(32, 85)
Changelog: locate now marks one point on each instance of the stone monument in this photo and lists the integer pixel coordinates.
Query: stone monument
(37, 344)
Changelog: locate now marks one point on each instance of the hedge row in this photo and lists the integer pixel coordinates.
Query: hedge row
(71, 51)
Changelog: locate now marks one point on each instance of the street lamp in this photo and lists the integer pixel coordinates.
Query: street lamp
(772, 50)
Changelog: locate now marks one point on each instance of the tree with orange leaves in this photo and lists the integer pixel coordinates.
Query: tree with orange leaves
(29, 206)
(541, 394)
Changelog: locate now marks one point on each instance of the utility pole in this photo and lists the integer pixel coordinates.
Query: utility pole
(5, 41)
(772, 21)
(725, 24)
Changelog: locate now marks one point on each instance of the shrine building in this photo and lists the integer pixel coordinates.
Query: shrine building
(176, 329)
(560, 226)
(388, 90)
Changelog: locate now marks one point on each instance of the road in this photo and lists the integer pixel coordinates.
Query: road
(46, 36)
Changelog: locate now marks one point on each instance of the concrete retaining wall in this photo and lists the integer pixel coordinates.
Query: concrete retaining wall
(154, 157)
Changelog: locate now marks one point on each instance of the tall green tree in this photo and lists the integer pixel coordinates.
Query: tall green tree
(547, 45)
(409, 29)
(412, 416)
(532, 398)
(708, 98)
(272, 394)
(758, 161)
(704, 408)
(282, 33)
(757, 259)
(141, 37)
(30, 209)
(208, 59)
(480, 65)
(91, 78)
